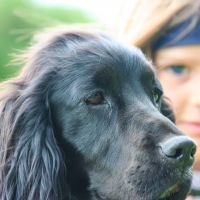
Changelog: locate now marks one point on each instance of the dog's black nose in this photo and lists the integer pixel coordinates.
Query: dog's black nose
(180, 149)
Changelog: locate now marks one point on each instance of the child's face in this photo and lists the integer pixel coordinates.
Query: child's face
(179, 74)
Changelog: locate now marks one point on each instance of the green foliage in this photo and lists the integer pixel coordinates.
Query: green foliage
(20, 19)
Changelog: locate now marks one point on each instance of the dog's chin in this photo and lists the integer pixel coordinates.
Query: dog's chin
(174, 192)
(176, 189)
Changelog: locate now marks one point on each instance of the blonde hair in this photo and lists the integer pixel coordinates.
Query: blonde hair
(139, 22)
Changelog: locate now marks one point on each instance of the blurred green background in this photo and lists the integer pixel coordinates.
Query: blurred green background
(20, 19)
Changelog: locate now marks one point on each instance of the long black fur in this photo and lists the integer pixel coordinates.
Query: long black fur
(56, 145)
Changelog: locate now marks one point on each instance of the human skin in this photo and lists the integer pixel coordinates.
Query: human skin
(179, 74)
(189, 198)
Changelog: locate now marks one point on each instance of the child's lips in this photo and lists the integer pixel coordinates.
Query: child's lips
(190, 127)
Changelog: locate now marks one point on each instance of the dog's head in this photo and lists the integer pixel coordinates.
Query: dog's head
(90, 114)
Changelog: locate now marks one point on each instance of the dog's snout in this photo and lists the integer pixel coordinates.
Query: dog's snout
(180, 150)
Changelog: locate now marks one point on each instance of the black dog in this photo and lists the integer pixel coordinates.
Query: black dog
(85, 120)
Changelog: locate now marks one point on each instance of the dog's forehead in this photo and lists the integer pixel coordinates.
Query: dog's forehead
(99, 56)
(134, 62)
(128, 61)
(109, 62)
(98, 49)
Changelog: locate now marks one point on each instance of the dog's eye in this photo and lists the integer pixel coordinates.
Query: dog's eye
(156, 96)
(95, 99)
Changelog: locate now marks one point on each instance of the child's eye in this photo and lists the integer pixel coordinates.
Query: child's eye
(178, 69)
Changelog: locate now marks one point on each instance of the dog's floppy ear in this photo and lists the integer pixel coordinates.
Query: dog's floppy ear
(167, 110)
(31, 164)
(30, 160)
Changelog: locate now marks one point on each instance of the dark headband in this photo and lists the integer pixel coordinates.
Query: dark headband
(171, 37)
